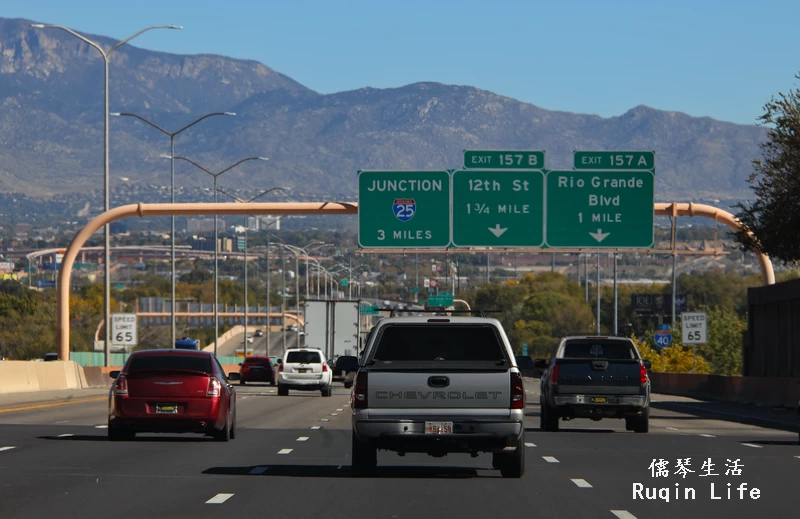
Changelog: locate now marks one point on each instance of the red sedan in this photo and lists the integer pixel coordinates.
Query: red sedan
(172, 391)
(257, 368)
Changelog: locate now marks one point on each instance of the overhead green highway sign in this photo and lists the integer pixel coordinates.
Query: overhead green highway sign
(398, 209)
(498, 208)
(599, 209)
(493, 159)
(604, 160)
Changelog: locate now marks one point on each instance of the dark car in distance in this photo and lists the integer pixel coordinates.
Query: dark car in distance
(178, 391)
(344, 365)
(257, 368)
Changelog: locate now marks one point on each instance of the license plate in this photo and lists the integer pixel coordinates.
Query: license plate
(167, 408)
(438, 427)
(302, 371)
(599, 400)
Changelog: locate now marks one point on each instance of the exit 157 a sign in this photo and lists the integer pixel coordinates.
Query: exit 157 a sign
(626, 160)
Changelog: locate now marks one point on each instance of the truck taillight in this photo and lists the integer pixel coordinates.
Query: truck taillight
(359, 397)
(642, 375)
(324, 367)
(554, 374)
(214, 387)
(517, 391)
(121, 386)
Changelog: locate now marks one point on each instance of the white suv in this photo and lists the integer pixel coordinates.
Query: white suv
(304, 369)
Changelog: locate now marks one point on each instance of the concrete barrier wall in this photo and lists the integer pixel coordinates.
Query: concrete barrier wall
(222, 339)
(21, 376)
(771, 391)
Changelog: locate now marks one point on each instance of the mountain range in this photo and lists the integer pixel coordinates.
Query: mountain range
(51, 133)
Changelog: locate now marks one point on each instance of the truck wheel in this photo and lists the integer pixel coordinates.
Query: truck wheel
(327, 391)
(365, 458)
(641, 423)
(514, 464)
(283, 390)
(548, 421)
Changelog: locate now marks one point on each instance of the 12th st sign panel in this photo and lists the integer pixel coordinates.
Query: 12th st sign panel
(398, 209)
(600, 209)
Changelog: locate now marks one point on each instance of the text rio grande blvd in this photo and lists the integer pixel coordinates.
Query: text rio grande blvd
(508, 199)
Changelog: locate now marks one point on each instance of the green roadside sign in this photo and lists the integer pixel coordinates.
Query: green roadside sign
(344, 282)
(600, 209)
(415, 290)
(440, 300)
(368, 309)
(493, 159)
(625, 160)
(498, 208)
(398, 209)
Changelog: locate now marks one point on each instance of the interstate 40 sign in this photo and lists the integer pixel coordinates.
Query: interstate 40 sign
(508, 199)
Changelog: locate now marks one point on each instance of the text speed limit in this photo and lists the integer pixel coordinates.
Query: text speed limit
(123, 329)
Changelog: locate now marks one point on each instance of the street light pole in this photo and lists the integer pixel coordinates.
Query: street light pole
(107, 195)
(216, 235)
(171, 136)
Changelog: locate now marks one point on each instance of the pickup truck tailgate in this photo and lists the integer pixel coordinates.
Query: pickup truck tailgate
(598, 376)
(393, 389)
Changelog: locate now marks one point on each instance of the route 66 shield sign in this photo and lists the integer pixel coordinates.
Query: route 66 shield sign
(404, 209)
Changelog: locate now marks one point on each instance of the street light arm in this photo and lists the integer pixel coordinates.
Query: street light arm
(79, 36)
(190, 161)
(129, 38)
(237, 163)
(157, 127)
(252, 199)
(269, 191)
(200, 119)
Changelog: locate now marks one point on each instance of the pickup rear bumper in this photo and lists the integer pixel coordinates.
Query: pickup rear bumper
(591, 400)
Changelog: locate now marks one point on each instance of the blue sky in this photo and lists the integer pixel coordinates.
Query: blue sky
(722, 59)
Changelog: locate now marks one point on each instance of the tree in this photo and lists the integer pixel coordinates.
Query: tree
(774, 217)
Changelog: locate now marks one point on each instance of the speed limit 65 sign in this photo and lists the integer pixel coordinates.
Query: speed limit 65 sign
(695, 327)
(123, 329)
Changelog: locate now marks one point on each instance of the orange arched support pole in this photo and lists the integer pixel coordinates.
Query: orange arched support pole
(194, 209)
(715, 213)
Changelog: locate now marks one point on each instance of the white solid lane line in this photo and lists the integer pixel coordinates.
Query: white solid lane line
(219, 499)
(64, 435)
(315, 427)
(6, 448)
(550, 459)
(303, 439)
(708, 436)
(258, 470)
(581, 483)
(285, 451)
(623, 514)
(530, 445)
(101, 427)
(753, 445)
(62, 421)
(673, 429)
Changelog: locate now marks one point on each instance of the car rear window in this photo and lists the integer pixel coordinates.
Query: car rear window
(348, 363)
(600, 349)
(169, 362)
(303, 357)
(440, 343)
(262, 362)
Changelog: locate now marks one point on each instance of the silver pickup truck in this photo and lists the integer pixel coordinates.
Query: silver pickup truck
(437, 386)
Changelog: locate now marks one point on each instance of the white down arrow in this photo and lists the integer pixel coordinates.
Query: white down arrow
(599, 235)
(497, 230)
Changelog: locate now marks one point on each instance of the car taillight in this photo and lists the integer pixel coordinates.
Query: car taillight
(359, 399)
(280, 367)
(214, 387)
(517, 392)
(324, 367)
(642, 375)
(121, 386)
(554, 374)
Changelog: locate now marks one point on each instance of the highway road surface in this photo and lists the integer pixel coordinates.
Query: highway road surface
(291, 459)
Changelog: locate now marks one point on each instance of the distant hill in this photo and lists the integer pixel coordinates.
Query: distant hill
(51, 95)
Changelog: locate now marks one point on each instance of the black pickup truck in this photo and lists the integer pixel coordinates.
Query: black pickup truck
(595, 377)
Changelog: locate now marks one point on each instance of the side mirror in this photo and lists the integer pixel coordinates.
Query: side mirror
(540, 363)
(240, 363)
(646, 364)
(113, 374)
(234, 376)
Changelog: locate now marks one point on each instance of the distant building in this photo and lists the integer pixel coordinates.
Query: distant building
(273, 223)
(202, 225)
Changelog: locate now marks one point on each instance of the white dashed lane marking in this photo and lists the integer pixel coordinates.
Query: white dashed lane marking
(673, 429)
(340, 410)
(334, 414)
(550, 459)
(62, 421)
(219, 499)
(6, 448)
(285, 451)
(581, 483)
(623, 514)
(708, 436)
(259, 470)
(530, 445)
(101, 427)
(64, 435)
(753, 445)
(303, 439)
(324, 420)
(315, 427)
